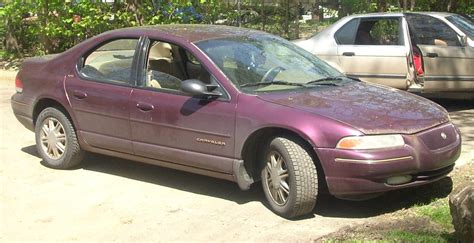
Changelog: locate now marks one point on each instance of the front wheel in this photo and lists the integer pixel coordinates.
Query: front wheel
(289, 178)
(56, 140)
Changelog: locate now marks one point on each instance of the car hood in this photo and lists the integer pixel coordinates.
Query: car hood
(372, 109)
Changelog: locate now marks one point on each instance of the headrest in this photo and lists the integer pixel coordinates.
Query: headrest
(160, 50)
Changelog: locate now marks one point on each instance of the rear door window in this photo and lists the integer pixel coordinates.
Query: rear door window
(371, 31)
(111, 62)
(379, 31)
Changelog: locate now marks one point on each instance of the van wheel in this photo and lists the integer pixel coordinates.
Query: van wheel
(56, 140)
(289, 178)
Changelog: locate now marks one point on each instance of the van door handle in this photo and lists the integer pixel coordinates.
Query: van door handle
(431, 54)
(145, 106)
(79, 94)
(348, 54)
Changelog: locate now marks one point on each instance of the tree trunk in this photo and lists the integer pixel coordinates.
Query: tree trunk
(452, 5)
(320, 10)
(264, 16)
(382, 5)
(43, 17)
(134, 7)
(412, 5)
(11, 43)
(239, 14)
(287, 18)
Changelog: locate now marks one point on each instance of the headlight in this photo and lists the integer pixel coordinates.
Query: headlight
(371, 142)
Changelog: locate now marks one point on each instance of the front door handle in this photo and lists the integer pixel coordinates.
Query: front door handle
(145, 106)
(79, 94)
(431, 54)
(349, 54)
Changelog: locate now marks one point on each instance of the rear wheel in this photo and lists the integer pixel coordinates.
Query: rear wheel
(289, 178)
(56, 140)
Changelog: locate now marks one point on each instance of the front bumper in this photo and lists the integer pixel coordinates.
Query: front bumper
(425, 157)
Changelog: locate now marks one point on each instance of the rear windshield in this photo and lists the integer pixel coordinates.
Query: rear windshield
(463, 24)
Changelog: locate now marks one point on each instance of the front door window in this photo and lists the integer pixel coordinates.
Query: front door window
(427, 30)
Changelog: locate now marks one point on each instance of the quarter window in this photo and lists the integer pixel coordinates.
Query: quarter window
(111, 62)
(346, 34)
(427, 30)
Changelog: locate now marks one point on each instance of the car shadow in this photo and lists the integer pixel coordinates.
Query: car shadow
(389, 202)
(327, 206)
(162, 176)
(453, 105)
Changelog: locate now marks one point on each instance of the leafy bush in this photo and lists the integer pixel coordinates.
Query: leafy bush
(44, 26)
(50, 26)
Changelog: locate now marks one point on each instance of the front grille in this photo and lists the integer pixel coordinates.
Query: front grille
(439, 137)
(434, 174)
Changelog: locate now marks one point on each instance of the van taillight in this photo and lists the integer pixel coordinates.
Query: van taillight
(18, 85)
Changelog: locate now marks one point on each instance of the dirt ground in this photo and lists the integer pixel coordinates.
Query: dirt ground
(110, 199)
(408, 219)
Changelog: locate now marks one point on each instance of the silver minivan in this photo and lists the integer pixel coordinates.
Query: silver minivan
(419, 51)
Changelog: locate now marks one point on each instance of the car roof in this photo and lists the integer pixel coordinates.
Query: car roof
(193, 32)
(399, 14)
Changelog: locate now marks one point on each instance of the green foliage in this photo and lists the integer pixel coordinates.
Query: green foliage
(50, 26)
(428, 237)
(437, 211)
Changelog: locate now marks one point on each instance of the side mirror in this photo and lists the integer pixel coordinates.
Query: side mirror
(197, 88)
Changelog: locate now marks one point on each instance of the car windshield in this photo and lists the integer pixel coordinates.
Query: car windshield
(463, 24)
(265, 63)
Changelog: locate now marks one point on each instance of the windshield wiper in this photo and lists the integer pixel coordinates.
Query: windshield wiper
(270, 83)
(323, 81)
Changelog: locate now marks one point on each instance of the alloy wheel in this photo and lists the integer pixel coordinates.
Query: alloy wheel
(53, 138)
(276, 178)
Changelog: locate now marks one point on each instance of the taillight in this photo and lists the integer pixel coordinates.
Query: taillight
(18, 85)
(418, 62)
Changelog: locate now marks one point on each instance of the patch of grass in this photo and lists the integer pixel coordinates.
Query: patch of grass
(438, 211)
(405, 236)
(351, 241)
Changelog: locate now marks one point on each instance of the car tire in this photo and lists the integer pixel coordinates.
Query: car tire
(289, 178)
(56, 140)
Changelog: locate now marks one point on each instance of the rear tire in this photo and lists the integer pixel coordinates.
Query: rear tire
(289, 178)
(56, 140)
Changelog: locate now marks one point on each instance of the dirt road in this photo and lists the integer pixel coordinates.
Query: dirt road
(111, 199)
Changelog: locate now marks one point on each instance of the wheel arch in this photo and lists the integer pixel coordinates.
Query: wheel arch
(255, 143)
(46, 102)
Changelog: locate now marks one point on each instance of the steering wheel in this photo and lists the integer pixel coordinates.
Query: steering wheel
(271, 73)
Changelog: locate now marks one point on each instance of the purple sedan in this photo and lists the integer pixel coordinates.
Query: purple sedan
(235, 104)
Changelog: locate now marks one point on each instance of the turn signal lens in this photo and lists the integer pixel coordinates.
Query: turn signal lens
(371, 142)
(18, 85)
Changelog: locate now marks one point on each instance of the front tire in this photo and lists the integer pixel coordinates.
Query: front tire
(289, 178)
(56, 140)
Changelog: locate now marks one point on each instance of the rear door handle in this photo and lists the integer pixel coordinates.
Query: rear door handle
(145, 106)
(348, 54)
(431, 54)
(79, 94)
